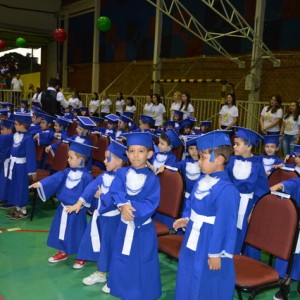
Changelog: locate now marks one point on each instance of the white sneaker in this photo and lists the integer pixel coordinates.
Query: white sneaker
(106, 289)
(96, 277)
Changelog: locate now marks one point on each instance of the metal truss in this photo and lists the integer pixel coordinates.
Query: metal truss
(176, 11)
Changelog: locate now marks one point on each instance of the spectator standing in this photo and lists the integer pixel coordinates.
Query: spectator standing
(175, 104)
(229, 113)
(158, 110)
(186, 107)
(120, 103)
(17, 88)
(94, 105)
(105, 105)
(148, 107)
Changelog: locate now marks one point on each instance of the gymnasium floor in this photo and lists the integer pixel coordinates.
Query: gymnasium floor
(26, 274)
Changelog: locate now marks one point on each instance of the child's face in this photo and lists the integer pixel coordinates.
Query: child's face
(121, 125)
(270, 149)
(112, 163)
(36, 120)
(187, 130)
(83, 112)
(20, 127)
(138, 155)
(44, 125)
(163, 146)
(207, 167)
(110, 125)
(193, 152)
(143, 126)
(176, 118)
(57, 127)
(297, 160)
(5, 130)
(169, 127)
(81, 131)
(75, 161)
(241, 148)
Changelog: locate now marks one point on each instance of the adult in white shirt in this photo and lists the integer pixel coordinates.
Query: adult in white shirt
(74, 100)
(17, 87)
(271, 116)
(148, 107)
(130, 105)
(94, 105)
(186, 107)
(105, 105)
(158, 110)
(229, 113)
(175, 104)
(120, 103)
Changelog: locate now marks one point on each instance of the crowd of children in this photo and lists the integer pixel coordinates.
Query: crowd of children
(120, 236)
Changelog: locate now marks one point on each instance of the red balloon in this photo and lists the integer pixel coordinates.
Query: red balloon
(60, 35)
(2, 44)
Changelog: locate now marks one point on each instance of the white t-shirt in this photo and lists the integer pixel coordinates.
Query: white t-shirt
(105, 106)
(93, 105)
(157, 114)
(187, 112)
(270, 117)
(291, 126)
(174, 106)
(131, 108)
(227, 114)
(75, 102)
(148, 109)
(16, 84)
(120, 106)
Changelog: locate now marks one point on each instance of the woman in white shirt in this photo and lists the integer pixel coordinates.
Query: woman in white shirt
(148, 107)
(290, 128)
(105, 105)
(271, 116)
(130, 105)
(158, 110)
(94, 105)
(229, 113)
(175, 104)
(74, 100)
(120, 103)
(186, 107)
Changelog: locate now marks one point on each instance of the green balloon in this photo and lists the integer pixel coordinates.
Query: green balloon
(103, 23)
(20, 42)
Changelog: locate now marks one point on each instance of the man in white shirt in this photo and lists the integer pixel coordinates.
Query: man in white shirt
(17, 89)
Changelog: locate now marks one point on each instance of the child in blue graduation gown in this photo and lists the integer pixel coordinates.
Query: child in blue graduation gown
(205, 266)
(134, 273)
(96, 244)
(67, 228)
(247, 173)
(22, 164)
(290, 187)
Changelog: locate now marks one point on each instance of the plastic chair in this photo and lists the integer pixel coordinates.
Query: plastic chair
(71, 130)
(178, 152)
(59, 163)
(172, 188)
(170, 244)
(98, 155)
(280, 175)
(274, 229)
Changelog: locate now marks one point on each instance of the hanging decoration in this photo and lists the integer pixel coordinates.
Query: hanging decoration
(20, 42)
(60, 35)
(2, 44)
(103, 23)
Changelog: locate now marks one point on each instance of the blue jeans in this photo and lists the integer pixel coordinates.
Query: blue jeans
(288, 139)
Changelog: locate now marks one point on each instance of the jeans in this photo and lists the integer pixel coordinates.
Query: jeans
(286, 143)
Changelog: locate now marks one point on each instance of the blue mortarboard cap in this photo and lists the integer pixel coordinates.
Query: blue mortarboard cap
(35, 104)
(98, 120)
(118, 150)
(249, 135)
(84, 108)
(125, 118)
(86, 122)
(174, 137)
(140, 138)
(114, 119)
(296, 149)
(191, 140)
(205, 123)
(271, 139)
(6, 104)
(63, 121)
(7, 124)
(25, 118)
(179, 113)
(81, 147)
(3, 112)
(37, 111)
(46, 117)
(25, 102)
(213, 139)
(169, 123)
(76, 110)
(185, 122)
(147, 119)
(129, 114)
(193, 120)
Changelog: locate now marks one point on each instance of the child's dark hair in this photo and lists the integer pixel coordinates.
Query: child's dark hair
(225, 151)
(165, 138)
(243, 140)
(85, 158)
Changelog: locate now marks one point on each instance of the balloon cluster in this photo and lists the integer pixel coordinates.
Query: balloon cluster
(103, 23)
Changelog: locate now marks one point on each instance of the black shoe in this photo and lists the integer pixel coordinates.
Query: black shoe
(278, 295)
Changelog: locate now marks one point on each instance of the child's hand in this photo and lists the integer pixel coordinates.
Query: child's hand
(214, 263)
(286, 158)
(47, 149)
(57, 135)
(34, 177)
(36, 136)
(98, 193)
(35, 185)
(126, 211)
(182, 222)
(76, 207)
(276, 187)
(151, 167)
(160, 169)
(278, 166)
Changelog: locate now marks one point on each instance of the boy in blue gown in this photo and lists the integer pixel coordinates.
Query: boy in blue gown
(205, 267)
(67, 228)
(247, 173)
(134, 273)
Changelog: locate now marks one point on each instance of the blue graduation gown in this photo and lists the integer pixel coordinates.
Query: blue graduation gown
(22, 163)
(209, 198)
(134, 272)
(68, 185)
(249, 177)
(163, 158)
(269, 161)
(107, 218)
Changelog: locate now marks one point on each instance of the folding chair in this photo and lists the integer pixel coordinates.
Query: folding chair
(282, 174)
(273, 228)
(178, 152)
(59, 163)
(98, 155)
(172, 188)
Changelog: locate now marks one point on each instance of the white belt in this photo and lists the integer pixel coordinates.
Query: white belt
(297, 251)
(5, 164)
(63, 223)
(129, 235)
(198, 221)
(111, 213)
(242, 209)
(15, 160)
(186, 194)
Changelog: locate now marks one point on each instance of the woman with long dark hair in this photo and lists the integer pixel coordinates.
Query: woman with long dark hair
(229, 113)
(186, 107)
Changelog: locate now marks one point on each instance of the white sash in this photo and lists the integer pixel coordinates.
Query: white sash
(15, 160)
(297, 250)
(242, 209)
(5, 164)
(63, 223)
